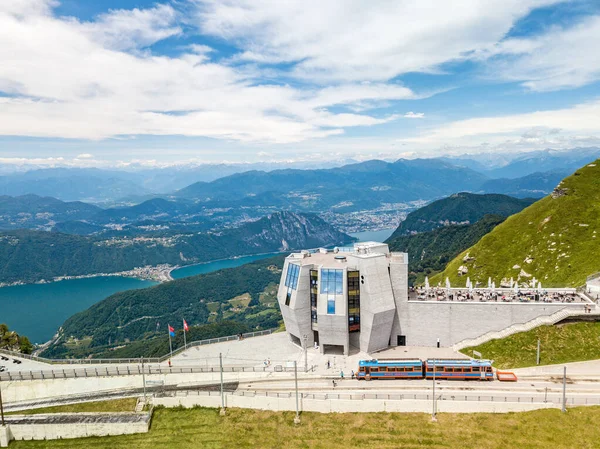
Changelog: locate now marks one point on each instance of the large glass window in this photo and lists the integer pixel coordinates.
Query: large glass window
(332, 281)
(331, 304)
(291, 278)
(314, 294)
(353, 301)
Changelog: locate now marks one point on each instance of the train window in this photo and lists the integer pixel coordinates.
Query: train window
(475, 369)
(429, 369)
(488, 369)
(374, 369)
(362, 369)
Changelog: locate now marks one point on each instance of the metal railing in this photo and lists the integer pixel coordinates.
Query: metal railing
(133, 370)
(547, 398)
(136, 359)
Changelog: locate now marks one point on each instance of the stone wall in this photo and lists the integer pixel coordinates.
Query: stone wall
(423, 322)
(64, 426)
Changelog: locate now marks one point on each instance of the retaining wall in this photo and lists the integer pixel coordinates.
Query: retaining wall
(38, 427)
(423, 322)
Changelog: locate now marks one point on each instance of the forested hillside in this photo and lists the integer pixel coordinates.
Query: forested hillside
(31, 256)
(460, 208)
(245, 294)
(430, 252)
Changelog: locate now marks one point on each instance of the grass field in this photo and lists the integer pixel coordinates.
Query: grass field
(117, 405)
(555, 239)
(574, 342)
(204, 428)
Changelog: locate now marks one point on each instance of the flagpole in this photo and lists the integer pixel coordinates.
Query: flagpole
(170, 344)
(184, 335)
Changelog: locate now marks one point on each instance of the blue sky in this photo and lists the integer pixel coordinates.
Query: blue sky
(110, 83)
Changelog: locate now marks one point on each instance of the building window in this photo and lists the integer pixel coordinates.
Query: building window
(291, 278)
(331, 305)
(353, 301)
(314, 294)
(332, 281)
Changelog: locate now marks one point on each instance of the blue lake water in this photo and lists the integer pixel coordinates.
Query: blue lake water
(202, 268)
(38, 310)
(373, 236)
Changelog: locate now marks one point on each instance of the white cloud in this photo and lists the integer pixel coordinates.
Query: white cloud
(414, 115)
(84, 156)
(85, 85)
(361, 40)
(559, 128)
(558, 59)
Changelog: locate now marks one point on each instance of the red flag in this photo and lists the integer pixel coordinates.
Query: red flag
(185, 326)
(171, 331)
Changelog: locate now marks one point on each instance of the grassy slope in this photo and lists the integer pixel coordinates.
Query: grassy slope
(195, 428)
(575, 342)
(548, 231)
(117, 405)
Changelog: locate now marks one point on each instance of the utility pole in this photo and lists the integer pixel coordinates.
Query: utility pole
(144, 379)
(538, 353)
(297, 417)
(433, 411)
(1, 407)
(222, 394)
(305, 353)
(564, 401)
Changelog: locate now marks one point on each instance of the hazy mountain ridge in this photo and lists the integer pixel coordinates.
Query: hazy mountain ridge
(31, 256)
(459, 208)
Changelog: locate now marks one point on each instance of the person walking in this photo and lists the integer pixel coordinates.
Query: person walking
(352, 375)
(341, 374)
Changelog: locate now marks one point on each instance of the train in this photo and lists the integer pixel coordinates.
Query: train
(460, 369)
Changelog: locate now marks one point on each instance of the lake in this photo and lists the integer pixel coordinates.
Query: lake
(38, 310)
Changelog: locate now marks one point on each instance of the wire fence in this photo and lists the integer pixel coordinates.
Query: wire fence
(548, 398)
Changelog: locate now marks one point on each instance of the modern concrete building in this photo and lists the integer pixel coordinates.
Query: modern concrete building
(359, 297)
(344, 297)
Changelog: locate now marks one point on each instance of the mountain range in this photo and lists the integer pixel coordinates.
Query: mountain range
(30, 256)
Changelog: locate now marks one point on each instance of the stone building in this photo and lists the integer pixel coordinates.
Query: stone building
(344, 297)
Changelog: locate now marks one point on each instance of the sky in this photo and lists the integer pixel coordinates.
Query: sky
(116, 83)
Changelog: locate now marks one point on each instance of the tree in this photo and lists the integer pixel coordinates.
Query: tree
(25, 345)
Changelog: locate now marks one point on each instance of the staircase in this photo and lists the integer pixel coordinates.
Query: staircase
(139, 406)
(523, 327)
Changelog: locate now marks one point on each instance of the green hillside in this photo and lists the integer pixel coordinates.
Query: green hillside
(556, 239)
(430, 252)
(460, 208)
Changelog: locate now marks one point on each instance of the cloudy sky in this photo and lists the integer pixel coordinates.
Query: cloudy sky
(89, 82)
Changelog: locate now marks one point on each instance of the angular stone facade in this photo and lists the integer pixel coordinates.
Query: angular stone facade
(343, 297)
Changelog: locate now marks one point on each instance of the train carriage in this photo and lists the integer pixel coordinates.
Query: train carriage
(459, 369)
(390, 369)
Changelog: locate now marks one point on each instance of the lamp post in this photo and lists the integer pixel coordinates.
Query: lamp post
(222, 412)
(433, 411)
(1, 407)
(297, 417)
(144, 379)
(305, 353)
